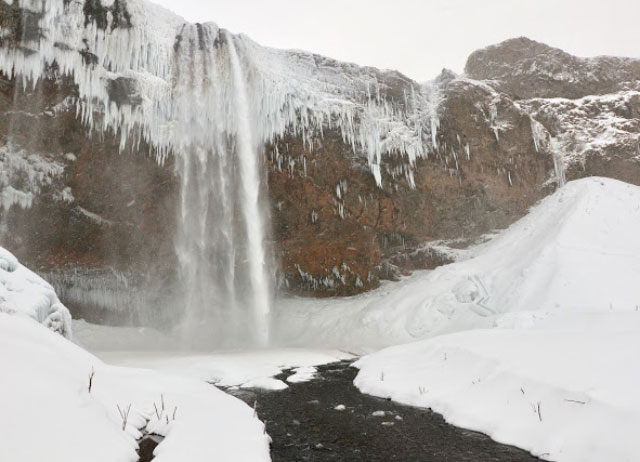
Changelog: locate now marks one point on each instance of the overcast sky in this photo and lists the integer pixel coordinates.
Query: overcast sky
(420, 37)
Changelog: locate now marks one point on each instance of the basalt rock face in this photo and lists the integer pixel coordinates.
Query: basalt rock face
(340, 233)
(98, 216)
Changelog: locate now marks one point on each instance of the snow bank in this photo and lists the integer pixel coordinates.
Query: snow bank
(49, 414)
(577, 251)
(557, 374)
(25, 293)
(565, 394)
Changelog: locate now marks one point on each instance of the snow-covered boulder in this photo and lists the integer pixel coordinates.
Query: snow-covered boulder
(23, 292)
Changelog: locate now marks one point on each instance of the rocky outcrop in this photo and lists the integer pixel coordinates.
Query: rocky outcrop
(525, 69)
(373, 176)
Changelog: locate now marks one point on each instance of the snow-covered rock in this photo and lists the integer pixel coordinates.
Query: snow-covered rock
(25, 293)
(137, 66)
(525, 68)
(593, 128)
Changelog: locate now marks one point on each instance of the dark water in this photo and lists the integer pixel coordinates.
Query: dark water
(146, 445)
(305, 426)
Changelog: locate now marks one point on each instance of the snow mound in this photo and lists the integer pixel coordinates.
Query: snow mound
(25, 293)
(578, 250)
(44, 398)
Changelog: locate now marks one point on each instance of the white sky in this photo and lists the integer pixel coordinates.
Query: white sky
(420, 37)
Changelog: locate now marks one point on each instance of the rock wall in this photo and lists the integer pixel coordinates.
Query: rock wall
(95, 221)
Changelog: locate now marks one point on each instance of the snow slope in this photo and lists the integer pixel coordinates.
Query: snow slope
(25, 293)
(557, 375)
(577, 251)
(49, 414)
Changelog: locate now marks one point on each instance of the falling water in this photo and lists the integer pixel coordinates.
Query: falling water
(220, 241)
(250, 180)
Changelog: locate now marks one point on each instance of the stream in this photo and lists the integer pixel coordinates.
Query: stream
(307, 422)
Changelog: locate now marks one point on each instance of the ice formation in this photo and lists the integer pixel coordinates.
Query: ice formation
(34, 170)
(213, 100)
(24, 293)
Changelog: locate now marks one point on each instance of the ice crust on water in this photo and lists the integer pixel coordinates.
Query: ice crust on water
(24, 293)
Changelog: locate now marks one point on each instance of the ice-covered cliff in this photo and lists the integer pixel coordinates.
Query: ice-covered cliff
(138, 151)
(152, 76)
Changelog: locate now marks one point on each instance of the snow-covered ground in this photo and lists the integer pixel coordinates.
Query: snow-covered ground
(556, 369)
(49, 412)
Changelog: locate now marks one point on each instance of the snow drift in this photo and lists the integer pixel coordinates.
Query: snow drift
(45, 394)
(45, 400)
(557, 373)
(25, 293)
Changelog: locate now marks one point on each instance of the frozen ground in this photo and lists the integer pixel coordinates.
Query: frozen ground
(556, 370)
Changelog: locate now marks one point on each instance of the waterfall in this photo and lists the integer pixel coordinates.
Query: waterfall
(220, 241)
(250, 179)
(208, 101)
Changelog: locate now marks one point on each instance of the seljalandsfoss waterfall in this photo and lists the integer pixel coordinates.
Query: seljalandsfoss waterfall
(221, 240)
(217, 251)
(208, 102)
(197, 106)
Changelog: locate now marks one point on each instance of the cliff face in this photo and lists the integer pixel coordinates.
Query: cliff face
(97, 222)
(369, 175)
